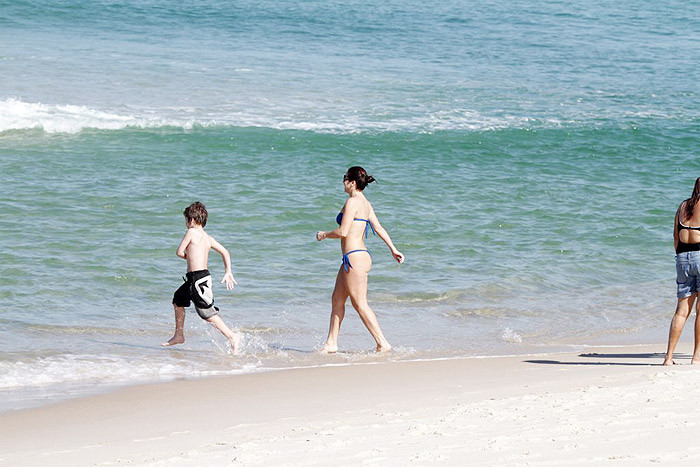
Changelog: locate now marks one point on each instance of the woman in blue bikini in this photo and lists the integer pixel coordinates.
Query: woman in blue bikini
(354, 223)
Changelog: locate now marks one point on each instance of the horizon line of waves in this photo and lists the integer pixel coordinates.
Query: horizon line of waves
(19, 116)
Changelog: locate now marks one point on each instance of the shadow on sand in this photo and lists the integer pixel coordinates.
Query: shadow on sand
(619, 356)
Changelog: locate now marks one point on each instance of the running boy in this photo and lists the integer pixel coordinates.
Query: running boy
(194, 248)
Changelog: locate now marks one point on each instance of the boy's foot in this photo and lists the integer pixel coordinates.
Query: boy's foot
(668, 363)
(329, 348)
(235, 341)
(384, 348)
(174, 341)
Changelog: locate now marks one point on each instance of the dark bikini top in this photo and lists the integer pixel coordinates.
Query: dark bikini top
(684, 247)
(368, 226)
(683, 227)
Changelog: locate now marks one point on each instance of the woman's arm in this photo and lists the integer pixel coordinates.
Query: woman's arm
(675, 227)
(349, 211)
(384, 235)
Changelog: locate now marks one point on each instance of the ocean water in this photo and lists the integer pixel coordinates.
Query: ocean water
(530, 157)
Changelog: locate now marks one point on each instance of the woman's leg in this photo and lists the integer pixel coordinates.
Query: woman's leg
(683, 308)
(356, 280)
(338, 299)
(696, 349)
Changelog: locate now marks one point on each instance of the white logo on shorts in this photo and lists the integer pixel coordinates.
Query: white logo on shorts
(204, 290)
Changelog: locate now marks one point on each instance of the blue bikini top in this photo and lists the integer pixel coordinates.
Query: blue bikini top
(368, 226)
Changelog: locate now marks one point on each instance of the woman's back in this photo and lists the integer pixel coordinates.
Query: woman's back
(688, 227)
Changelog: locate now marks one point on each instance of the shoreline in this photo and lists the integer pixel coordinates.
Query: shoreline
(517, 409)
(73, 390)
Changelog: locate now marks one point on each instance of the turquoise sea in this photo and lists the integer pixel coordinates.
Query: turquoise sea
(530, 157)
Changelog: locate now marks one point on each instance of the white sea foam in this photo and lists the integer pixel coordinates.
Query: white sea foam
(511, 336)
(83, 368)
(19, 115)
(70, 119)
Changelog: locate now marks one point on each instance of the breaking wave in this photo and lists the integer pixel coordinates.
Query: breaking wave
(17, 115)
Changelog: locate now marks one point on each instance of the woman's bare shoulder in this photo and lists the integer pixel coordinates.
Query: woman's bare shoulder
(353, 203)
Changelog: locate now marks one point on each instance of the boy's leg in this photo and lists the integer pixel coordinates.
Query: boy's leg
(233, 337)
(179, 336)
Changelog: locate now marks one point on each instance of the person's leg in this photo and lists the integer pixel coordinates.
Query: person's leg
(683, 309)
(338, 299)
(179, 336)
(696, 348)
(233, 337)
(356, 280)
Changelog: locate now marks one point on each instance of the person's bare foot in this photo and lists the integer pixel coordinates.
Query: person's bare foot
(386, 347)
(174, 341)
(329, 348)
(669, 362)
(235, 341)
(695, 361)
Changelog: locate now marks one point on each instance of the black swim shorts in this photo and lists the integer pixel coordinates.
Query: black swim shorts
(198, 289)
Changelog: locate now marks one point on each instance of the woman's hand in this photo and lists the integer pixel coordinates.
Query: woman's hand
(398, 256)
(321, 235)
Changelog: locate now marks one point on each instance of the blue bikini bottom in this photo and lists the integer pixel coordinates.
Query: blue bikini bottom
(346, 261)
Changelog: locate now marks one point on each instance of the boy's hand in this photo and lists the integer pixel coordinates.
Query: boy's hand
(229, 280)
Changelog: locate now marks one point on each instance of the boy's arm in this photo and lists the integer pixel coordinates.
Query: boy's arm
(184, 243)
(228, 275)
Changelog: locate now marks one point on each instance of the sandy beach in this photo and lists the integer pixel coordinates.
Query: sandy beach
(529, 160)
(605, 406)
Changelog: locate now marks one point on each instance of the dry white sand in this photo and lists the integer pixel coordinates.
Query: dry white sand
(609, 406)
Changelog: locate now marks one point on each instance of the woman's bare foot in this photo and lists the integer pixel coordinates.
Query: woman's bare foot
(385, 347)
(329, 348)
(669, 363)
(174, 341)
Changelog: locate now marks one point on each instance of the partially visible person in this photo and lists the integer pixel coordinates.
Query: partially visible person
(194, 248)
(686, 240)
(355, 221)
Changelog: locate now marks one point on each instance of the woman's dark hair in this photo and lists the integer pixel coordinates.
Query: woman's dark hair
(196, 212)
(359, 176)
(693, 200)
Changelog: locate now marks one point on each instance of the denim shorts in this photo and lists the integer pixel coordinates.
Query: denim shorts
(688, 273)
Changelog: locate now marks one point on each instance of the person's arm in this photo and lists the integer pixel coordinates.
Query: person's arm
(675, 228)
(384, 235)
(349, 211)
(184, 243)
(228, 279)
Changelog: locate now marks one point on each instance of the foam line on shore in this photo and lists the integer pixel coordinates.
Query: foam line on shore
(566, 404)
